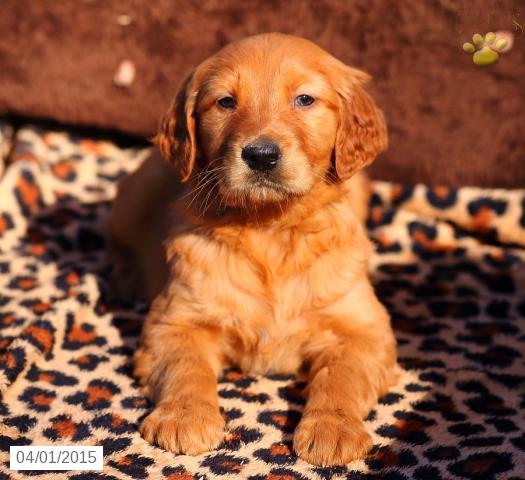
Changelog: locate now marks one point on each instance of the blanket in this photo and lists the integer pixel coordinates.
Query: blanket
(449, 265)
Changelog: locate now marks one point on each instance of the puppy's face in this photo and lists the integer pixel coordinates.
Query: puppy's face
(268, 122)
(268, 117)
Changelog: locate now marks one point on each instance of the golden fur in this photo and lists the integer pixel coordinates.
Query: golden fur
(267, 274)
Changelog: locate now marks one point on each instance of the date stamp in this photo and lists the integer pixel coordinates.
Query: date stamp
(56, 458)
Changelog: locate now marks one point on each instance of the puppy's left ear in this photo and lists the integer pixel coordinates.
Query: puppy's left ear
(362, 130)
(177, 137)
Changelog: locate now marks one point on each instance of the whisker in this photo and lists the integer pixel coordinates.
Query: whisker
(197, 193)
(207, 178)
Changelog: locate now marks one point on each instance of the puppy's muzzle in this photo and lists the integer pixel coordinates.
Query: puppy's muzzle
(261, 156)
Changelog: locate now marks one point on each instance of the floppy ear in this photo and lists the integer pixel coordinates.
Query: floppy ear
(362, 130)
(176, 137)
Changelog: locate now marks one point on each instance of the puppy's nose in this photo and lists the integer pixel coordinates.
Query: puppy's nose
(262, 157)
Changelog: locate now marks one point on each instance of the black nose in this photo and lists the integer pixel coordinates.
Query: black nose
(262, 157)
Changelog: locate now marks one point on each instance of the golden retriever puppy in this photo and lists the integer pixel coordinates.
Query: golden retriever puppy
(249, 241)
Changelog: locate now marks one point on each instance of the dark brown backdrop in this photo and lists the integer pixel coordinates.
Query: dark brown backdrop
(450, 121)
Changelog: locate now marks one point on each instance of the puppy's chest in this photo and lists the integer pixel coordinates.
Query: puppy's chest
(286, 270)
(276, 310)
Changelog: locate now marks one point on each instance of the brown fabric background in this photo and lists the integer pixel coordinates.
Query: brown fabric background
(450, 121)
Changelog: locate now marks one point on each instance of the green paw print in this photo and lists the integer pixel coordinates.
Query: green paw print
(485, 49)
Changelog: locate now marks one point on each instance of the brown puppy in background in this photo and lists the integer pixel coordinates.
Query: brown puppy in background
(253, 249)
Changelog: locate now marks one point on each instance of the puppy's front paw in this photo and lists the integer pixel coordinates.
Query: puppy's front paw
(188, 429)
(330, 438)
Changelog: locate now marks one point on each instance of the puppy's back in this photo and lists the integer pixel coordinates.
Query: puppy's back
(138, 225)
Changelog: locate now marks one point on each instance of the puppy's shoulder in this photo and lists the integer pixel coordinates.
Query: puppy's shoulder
(358, 191)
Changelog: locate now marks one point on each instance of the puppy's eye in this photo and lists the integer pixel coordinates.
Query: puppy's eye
(227, 102)
(304, 100)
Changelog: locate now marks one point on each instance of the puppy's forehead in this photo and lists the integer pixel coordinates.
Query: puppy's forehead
(288, 73)
(263, 61)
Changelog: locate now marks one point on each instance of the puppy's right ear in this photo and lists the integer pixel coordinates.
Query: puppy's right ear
(176, 138)
(362, 132)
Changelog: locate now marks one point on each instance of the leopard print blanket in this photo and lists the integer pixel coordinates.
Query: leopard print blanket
(449, 264)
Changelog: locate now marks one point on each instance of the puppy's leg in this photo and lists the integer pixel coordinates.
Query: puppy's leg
(178, 366)
(346, 379)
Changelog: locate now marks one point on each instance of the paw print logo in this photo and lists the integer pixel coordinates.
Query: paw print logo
(486, 50)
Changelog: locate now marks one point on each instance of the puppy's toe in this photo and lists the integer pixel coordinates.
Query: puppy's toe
(189, 429)
(329, 438)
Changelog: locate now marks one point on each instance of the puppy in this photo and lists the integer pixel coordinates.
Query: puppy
(248, 240)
